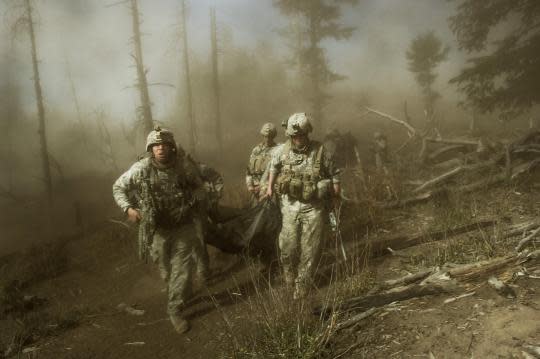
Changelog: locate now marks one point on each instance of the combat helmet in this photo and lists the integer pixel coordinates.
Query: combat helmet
(159, 135)
(298, 124)
(268, 130)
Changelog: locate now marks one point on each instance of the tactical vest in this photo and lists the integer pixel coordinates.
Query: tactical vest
(300, 183)
(166, 195)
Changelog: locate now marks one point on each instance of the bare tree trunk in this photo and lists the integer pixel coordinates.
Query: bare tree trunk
(406, 113)
(11, 113)
(473, 123)
(142, 83)
(215, 77)
(40, 107)
(317, 97)
(77, 105)
(187, 78)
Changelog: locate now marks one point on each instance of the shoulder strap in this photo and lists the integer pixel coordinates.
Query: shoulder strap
(318, 160)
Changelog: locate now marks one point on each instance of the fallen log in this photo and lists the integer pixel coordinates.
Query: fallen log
(521, 228)
(378, 246)
(423, 197)
(479, 270)
(482, 184)
(446, 141)
(370, 301)
(445, 176)
(436, 282)
(408, 279)
(444, 150)
(448, 175)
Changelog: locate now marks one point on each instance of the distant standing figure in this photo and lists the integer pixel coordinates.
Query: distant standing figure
(380, 151)
(164, 192)
(258, 163)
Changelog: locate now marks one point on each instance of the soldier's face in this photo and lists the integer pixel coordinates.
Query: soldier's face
(299, 140)
(268, 140)
(162, 152)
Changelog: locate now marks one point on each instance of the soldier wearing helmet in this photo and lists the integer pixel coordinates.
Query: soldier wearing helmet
(168, 192)
(258, 162)
(303, 173)
(380, 152)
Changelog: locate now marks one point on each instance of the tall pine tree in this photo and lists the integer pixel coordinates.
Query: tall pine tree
(503, 36)
(313, 21)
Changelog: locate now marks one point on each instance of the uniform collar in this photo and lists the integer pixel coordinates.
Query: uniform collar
(164, 166)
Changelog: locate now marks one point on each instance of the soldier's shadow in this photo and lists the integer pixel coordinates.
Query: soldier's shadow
(251, 283)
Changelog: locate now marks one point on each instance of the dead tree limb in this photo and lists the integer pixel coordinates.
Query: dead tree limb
(368, 302)
(356, 318)
(401, 242)
(411, 131)
(423, 197)
(444, 150)
(521, 228)
(439, 179)
(519, 170)
(408, 279)
(474, 271)
(454, 141)
(527, 239)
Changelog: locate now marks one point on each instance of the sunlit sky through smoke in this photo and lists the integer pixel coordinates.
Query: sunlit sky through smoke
(94, 39)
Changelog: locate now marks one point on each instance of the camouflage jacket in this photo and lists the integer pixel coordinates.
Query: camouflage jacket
(164, 195)
(260, 158)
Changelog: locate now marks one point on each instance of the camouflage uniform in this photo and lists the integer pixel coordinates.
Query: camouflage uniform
(303, 176)
(261, 155)
(167, 197)
(259, 159)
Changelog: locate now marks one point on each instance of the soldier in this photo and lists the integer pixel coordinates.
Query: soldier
(380, 151)
(258, 162)
(167, 189)
(305, 176)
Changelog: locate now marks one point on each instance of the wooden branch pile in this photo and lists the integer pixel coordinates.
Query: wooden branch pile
(435, 281)
(467, 164)
(480, 168)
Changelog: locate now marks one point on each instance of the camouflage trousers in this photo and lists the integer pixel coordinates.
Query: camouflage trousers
(300, 242)
(173, 251)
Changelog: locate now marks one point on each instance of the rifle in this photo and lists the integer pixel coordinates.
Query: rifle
(335, 226)
(147, 226)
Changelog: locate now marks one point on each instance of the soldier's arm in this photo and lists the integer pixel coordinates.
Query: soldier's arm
(122, 187)
(332, 171)
(250, 184)
(273, 170)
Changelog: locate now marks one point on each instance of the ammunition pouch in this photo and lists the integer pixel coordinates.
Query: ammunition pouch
(298, 186)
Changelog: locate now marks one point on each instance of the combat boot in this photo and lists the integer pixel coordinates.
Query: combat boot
(179, 324)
